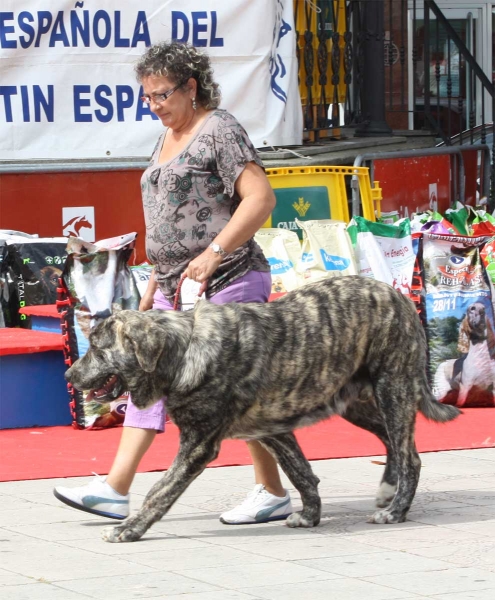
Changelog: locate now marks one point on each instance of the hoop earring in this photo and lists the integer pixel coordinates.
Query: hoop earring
(194, 105)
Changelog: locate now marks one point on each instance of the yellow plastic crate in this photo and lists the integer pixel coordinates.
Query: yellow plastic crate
(315, 193)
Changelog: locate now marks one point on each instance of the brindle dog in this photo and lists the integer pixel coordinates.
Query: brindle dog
(348, 346)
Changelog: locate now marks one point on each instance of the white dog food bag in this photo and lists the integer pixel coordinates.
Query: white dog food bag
(326, 250)
(282, 250)
(384, 251)
(96, 282)
(142, 274)
(460, 320)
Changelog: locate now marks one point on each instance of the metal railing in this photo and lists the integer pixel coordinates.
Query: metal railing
(441, 88)
(456, 97)
(326, 56)
(332, 42)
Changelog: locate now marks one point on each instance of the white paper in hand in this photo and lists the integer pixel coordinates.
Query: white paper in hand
(189, 293)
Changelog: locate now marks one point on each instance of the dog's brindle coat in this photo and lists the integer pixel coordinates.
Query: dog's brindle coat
(348, 345)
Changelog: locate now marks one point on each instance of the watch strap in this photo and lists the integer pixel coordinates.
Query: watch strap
(217, 249)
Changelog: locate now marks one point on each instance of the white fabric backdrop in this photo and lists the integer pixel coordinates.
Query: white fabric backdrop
(68, 90)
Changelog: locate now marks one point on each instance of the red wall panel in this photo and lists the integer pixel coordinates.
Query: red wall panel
(33, 202)
(406, 182)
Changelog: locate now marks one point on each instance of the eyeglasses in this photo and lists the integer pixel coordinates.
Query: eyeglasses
(159, 98)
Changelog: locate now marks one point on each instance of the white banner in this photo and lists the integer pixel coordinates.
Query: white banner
(67, 85)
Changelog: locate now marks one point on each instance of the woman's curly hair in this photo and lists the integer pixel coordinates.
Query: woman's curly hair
(178, 62)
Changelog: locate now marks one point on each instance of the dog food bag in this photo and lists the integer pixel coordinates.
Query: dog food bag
(487, 254)
(142, 274)
(326, 250)
(483, 224)
(35, 266)
(460, 320)
(433, 222)
(459, 216)
(9, 302)
(384, 252)
(96, 282)
(5, 285)
(282, 250)
(389, 217)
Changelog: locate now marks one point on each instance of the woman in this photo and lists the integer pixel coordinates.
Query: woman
(205, 194)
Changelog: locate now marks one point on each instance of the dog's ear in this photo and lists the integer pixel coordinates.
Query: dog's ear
(148, 341)
(464, 336)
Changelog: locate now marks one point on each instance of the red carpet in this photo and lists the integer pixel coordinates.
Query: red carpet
(44, 453)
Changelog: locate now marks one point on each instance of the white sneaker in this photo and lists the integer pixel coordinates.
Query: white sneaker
(96, 497)
(259, 507)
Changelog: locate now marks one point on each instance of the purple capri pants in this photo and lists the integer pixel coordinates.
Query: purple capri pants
(255, 286)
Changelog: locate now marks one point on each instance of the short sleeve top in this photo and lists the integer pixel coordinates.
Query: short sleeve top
(189, 199)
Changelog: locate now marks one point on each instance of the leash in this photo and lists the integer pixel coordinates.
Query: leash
(177, 293)
(183, 277)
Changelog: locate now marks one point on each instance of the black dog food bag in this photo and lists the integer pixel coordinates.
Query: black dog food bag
(35, 266)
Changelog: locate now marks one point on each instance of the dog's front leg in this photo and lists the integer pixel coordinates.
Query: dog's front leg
(294, 464)
(194, 454)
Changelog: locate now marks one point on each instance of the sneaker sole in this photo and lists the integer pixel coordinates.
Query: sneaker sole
(279, 518)
(92, 511)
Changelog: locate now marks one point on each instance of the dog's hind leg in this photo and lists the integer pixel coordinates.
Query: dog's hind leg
(367, 416)
(395, 396)
(196, 450)
(294, 464)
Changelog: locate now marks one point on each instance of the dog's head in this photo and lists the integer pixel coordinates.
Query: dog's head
(476, 317)
(49, 278)
(123, 353)
(476, 327)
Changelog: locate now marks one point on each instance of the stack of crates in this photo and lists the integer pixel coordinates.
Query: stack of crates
(316, 193)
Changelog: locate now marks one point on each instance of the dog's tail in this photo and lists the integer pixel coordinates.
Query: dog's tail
(436, 411)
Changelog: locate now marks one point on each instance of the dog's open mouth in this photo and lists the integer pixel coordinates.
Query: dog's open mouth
(108, 391)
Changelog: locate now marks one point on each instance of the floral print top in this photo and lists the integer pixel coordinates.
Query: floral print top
(189, 199)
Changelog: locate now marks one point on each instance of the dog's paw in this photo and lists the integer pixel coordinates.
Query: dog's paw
(298, 520)
(385, 495)
(121, 533)
(385, 517)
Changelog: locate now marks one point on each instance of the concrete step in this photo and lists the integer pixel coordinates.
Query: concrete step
(344, 151)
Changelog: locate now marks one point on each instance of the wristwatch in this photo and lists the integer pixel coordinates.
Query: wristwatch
(217, 249)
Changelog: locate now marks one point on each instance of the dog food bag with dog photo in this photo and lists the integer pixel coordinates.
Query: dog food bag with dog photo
(460, 320)
(282, 250)
(96, 282)
(35, 266)
(326, 250)
(384, 251)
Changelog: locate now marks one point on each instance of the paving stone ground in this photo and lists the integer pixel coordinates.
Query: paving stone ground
(445, 551)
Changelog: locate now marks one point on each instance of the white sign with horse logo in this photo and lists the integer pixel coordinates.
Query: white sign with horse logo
(79, 221)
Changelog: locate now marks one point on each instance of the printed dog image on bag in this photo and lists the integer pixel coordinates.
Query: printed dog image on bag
(49, 277)
(460, 321)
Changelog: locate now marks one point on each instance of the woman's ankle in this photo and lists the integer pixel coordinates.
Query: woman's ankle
(278, 491)
(119, 486)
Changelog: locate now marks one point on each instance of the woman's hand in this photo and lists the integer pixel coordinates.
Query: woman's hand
(202, 268)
